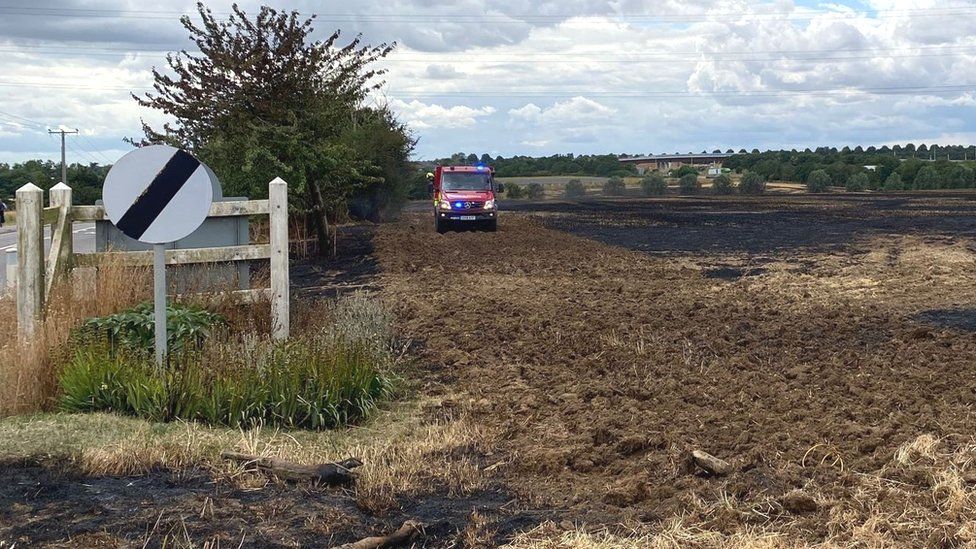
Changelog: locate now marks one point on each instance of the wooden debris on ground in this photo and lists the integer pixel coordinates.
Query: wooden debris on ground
(408, 533)
(338, 473)
(705, 461)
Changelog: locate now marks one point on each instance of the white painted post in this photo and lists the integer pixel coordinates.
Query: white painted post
(278, 206)
(60, 195)
(11, 258)
(30, 264)
(61, 246)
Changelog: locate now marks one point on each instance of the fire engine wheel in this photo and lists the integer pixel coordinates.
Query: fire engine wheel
(491, 226)
(440, 225)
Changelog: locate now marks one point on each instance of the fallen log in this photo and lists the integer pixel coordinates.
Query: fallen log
(338, 473)
(707, 462)
(407, 533)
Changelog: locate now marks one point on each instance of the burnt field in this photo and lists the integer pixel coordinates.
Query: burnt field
(822, 346)
(562, 374)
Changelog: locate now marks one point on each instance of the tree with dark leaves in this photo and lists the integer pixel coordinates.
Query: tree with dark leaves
(263, 99)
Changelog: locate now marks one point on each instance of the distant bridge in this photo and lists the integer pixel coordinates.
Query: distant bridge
(665, 162)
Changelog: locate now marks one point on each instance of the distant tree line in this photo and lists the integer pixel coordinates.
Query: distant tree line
(600, 165)
(85, 179)
(890, 168)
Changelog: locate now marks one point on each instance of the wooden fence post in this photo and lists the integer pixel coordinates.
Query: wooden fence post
(278, 206)
(30, 264)
(61, 235)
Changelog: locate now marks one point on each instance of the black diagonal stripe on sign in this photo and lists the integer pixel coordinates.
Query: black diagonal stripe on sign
(157, 195)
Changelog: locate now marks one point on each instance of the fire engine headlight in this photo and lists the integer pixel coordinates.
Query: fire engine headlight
(490, 205)
(444, 205)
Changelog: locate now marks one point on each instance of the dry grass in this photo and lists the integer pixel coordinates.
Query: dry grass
(674, 534)
(402, 453)
(28, 380)
(27, 376)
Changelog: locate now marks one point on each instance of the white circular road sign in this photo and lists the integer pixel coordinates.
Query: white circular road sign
(158, 194)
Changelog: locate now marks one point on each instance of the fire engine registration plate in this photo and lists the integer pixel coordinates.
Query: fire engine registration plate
(467, 218)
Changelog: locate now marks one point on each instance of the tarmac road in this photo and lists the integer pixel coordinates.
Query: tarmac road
(84, 241)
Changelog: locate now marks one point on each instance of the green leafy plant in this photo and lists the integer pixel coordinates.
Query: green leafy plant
(752, 183)
(134, 329)
(688, 184)
(722, 184)
(818, 181)
(894, 183)
(534, 191)
(857, 182)
(574, 189)
(614, 186)
(333, 376)
(654, 184)
(683, 171)
(514, 190)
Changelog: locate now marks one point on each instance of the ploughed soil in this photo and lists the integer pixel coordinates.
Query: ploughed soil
(802, 339)
(805, 340)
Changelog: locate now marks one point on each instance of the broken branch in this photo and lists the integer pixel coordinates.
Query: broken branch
(407, 533)
(337, 473)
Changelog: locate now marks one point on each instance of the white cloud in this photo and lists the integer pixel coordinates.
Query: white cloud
(574, 112)
(551, 76)
(425, 116)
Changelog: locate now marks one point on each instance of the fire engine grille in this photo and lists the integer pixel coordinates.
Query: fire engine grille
(472, 205)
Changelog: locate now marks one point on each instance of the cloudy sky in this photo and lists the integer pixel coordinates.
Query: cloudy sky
(539, 77)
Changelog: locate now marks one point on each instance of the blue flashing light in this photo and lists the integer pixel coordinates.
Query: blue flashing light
(458, 205)
(481, 167)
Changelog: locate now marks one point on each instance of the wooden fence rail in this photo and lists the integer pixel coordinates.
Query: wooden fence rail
(35, 275)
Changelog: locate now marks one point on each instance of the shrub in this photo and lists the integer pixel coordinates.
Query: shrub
(688, 184)
(134, 329)
(514, 190)
(752, 183)
(857, 182)
(534, 191)
(722, 184)
(574, 189)
(928, 178)
(683, 171)
(818, 181)
(331, 377)
(893, 183)
(961, 177)
(654, 185)
(614, 186)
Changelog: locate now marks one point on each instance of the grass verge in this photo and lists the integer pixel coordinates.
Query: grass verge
(403, 454)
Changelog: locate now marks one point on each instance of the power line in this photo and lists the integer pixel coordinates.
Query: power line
(94, 148)
(86, 47)
(21, 120)
(607, 57)
(661, 17)
(426, 92)
(81, 152)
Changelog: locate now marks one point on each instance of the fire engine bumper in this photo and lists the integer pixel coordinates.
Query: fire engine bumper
(466, 216)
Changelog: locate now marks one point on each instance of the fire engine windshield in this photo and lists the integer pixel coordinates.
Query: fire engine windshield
(465, 181)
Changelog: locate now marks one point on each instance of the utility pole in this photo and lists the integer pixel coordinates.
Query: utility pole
(64, 165)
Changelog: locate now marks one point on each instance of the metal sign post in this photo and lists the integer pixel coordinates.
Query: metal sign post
(159, 301)
(157, 195)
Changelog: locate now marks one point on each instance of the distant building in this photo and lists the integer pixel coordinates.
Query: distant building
(666, 162)
(870, 168)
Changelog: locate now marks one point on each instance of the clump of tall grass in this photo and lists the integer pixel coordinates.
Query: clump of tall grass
(333, 376)
(28, 372)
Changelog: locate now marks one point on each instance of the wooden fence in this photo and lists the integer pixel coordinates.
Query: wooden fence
(35, 274)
